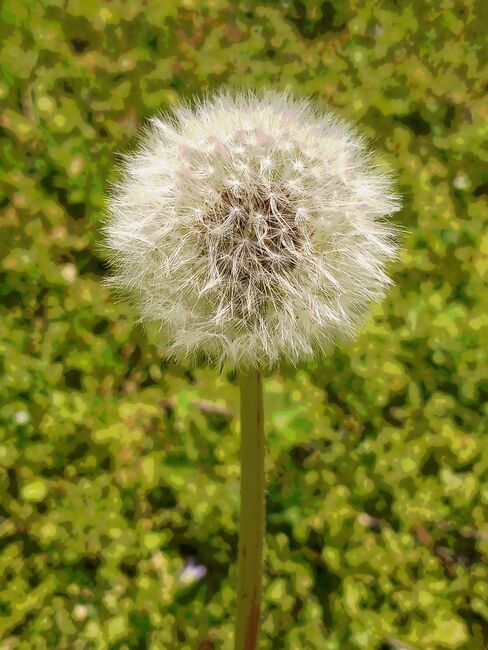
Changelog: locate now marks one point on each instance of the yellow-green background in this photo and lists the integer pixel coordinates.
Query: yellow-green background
(116, 468)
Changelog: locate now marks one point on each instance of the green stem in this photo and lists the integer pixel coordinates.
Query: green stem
(251, 525)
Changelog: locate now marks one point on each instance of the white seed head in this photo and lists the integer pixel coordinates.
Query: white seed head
(250, 228)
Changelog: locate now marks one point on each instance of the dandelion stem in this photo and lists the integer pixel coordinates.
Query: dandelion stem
(252, 518)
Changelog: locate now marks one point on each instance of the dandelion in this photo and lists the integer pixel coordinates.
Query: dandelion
(249, 228)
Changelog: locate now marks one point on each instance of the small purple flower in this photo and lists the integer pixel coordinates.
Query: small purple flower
(192, 572)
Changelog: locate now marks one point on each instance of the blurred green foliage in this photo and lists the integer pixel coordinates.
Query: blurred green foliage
(119, 477)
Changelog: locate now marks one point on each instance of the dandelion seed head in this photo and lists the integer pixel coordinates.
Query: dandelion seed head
(251, 227)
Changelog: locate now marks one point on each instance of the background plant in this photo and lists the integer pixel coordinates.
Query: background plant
(376, 455)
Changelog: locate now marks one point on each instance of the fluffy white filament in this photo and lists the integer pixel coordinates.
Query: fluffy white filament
(249, 228)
